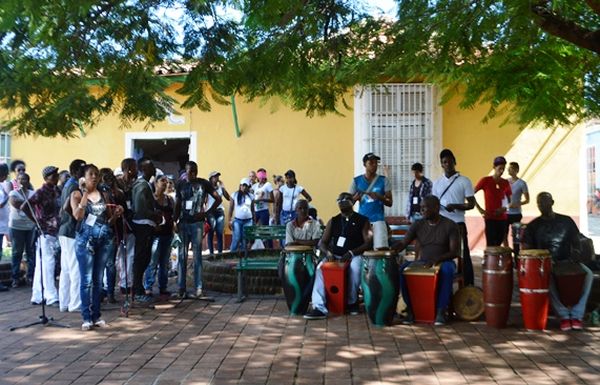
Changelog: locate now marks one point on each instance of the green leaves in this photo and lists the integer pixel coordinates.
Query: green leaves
(64, 64)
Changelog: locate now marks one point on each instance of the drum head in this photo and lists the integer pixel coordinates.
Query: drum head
(534, 253)
(380, 253)
(468, 303)
(497, 250)
(298, 248)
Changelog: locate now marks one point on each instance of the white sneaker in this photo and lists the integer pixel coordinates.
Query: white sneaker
(199, 293)
(86, 326)
(100, 323)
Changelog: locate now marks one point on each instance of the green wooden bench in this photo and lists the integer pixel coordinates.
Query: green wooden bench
(247, 262)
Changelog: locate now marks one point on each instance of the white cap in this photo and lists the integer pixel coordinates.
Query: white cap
(245, 181)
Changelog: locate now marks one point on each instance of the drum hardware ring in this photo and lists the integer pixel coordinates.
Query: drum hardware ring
(533, 291)
(497, 271)
(495, 304)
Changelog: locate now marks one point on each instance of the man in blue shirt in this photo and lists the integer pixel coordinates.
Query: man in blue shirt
(374, 192)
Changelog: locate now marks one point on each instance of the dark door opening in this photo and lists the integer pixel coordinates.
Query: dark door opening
(168, 154)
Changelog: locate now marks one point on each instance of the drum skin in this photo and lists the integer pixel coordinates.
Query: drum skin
(535, 268)
(380, 285)
(299, 277)
(497, 278)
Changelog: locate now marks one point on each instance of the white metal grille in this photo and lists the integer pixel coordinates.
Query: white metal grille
(396, 122)
(4, 147)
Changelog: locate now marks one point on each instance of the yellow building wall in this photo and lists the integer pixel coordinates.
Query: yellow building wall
(318, 149)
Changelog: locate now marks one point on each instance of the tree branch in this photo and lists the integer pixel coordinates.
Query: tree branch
(594, 5)
(566, 29)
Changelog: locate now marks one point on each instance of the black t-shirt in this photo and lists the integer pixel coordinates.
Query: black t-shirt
(434, 240)
(192, 195)
(68, 224)
(350, 228)
(557, 235)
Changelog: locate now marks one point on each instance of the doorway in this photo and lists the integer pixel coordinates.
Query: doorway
(168, 150)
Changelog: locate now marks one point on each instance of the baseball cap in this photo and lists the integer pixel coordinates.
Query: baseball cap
(214, 173)
(370, 156)
(245, 181)
(49, 170)
(499, 160)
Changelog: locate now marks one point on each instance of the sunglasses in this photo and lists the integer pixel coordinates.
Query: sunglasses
(345, 199)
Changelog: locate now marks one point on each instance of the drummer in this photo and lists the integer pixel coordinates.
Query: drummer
(559, 234)
(345, 238)
(438, 242)
(304, 230)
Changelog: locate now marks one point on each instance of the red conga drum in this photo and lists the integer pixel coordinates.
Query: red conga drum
(569, 278)
(334, 278)
(535, 268)
(422, 288)
(497, 280)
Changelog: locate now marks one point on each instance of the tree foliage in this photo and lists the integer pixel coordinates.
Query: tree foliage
(64, 64)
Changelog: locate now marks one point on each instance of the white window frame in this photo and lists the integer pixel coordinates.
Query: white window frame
(589, 128)
(363, 143)
(131, 137)
(5, 153)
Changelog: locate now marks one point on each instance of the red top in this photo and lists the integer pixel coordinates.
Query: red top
(494, 192)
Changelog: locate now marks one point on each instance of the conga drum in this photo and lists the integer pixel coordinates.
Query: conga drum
(335, 279)
(569, 278)
(298, 277)
(535, 267)
(497, 280)
(422, 289)
(380, 285)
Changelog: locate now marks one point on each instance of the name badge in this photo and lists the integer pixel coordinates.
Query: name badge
(188, 205)
(90, 220)
(129, 205)
(341, 241)
(415, 200)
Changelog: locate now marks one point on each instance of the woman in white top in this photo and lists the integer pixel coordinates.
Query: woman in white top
(22, 231)
(5, 188)
(241, 213)
(288, 197)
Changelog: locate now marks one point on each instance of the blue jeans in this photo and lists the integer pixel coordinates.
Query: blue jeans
(190, 233)
(444, 285)
(238, 242)
(284, 218)
(93, 245)
(161, 252)
(217, 224)
(111, 271)
(262, 217)
(22, 240)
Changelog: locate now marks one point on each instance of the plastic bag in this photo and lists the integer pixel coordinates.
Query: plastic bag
(258, 245)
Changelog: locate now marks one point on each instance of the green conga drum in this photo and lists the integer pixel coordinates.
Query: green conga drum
(380, 285)
(298, 277)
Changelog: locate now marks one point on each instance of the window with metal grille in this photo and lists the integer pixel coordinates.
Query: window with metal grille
(396, 122)
(4, 147)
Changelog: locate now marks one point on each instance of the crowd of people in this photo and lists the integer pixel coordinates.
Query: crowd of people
(125, 222)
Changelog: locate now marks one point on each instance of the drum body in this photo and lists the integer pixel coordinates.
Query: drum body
(299, 276)
(380, 285)
(336, 288)
(422, 288)
(497, 281)
(535, 267)
(569, 278)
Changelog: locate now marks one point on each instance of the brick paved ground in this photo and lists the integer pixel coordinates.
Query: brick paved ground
(256, 342)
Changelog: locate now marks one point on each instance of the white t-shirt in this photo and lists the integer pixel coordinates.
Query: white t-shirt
(262, 192)
(290, 196)
(461, 189)
(210, 199)
(243, 210)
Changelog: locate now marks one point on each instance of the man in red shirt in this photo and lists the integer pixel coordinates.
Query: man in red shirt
(497, 193)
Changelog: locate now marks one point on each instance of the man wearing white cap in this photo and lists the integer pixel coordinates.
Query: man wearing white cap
(241, 213)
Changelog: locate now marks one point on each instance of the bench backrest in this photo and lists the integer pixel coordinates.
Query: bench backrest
(255, 232)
